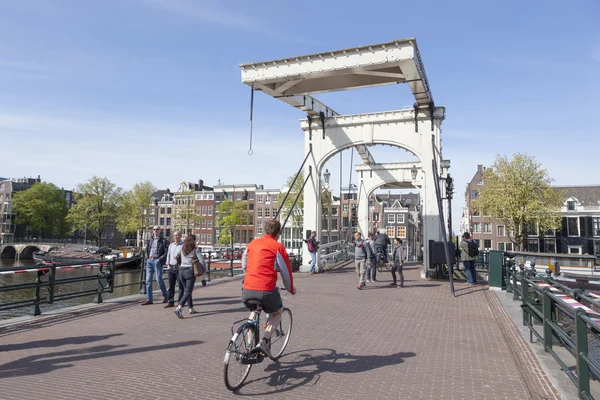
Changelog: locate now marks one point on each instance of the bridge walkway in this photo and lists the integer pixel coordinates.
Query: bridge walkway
(383, 342)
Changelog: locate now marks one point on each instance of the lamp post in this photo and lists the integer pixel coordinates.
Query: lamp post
(413, 172)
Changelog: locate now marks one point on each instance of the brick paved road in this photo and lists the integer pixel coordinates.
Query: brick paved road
(380, 343)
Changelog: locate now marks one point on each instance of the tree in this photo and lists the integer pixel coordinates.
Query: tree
(297, 213)
(42, 208)
(229, 215)
(97, 205)
(518, 193)
(130, 215)
(186, 217)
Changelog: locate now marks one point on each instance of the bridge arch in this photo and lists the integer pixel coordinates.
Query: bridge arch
(28, 251)
(8, 251)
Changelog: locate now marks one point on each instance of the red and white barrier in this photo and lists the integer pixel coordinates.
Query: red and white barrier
(22, 271)
(547, 285)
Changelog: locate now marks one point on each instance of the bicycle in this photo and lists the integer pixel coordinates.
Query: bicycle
(380, 262)
(244, 351)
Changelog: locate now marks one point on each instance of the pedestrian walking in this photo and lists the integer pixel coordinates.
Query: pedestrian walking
(398, 258)
(372, 262)
(313, 247)
(468, 254)
(362, 253)
(173, 261)
(156, 253)
(189, 254)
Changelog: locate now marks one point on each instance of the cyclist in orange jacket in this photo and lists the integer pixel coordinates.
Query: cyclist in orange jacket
(261, 260)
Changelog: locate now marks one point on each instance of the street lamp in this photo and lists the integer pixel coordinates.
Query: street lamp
(326, 176)
(413, 172)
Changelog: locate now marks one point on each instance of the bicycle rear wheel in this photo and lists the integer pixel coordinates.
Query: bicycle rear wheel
(281, 334)
(235, 365)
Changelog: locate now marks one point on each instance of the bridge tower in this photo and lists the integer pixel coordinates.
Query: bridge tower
(326, 132)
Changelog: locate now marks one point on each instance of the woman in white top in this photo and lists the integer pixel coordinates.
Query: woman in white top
(187, 277)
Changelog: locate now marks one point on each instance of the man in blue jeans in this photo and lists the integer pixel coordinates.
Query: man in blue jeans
(156, 252)
(468, 260)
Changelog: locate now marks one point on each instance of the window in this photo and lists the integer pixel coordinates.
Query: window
(571, 205)
(204, 210)
(259, 228)
(487, 244)
(597, 247)
(402, 231)
(474, 194)
(487, 228)
(168, 210)
(550, 233)
(390, 231)
(573, 226)
(574, 249)
(210, 210)
(260, 198)
(251, 207)
(267, 199)
(259, 213)
(198, 210)
(209, 224)
(162, 221)
(501, 231)
(168, 233)
(267, 213)
(162, 210)
(203, 238)
(209, 238)
(500, 246)
(203, 223)
(400, 218)
(476, 213)
(250, 220)
(480, 182)
(244, 236)
(251, 196)
(477, 227)
(168, 220)
(345, 208)
(533, 245)
(391, 218)
(211, 196)
(345, 221)
(334, 224)
(550, 245)
(596, 226)
(509, 246)
(238, 196)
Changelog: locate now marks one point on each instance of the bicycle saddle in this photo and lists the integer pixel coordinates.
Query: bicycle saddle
(254, 304)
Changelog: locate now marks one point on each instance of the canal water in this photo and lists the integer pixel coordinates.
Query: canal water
(130, 275)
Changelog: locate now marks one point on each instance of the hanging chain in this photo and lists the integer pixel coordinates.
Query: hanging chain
(250, 152)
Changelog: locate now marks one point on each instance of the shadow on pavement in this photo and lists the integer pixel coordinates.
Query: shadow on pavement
(49, 320)
(481, 289)
(305, 367)
(48, 362)
(56, 342)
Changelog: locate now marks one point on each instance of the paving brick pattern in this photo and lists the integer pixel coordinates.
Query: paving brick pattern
(383, 342)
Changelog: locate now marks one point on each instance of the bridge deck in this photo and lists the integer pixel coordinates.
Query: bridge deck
(379, 343)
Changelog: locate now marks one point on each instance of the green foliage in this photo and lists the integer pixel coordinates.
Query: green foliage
(229, 215)
(297, 213)
(518, 193)
(131, 212)
(97, 205)
(42, 207)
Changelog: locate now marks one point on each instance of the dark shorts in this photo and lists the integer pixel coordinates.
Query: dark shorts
(270, 300)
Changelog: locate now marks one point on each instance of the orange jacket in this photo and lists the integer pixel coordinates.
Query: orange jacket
(261, 260)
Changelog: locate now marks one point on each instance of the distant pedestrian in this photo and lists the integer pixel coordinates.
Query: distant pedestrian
(313, 247)
(372, 262)
(467, 256)
(189, 253)
(173, 261)
(156, 253)
(362, 253)
(398, 258)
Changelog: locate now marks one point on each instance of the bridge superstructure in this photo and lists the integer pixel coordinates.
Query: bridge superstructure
(326, 132)
(24, 250)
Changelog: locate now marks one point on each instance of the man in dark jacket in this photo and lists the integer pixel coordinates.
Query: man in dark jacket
(157, 249)
(382, 241)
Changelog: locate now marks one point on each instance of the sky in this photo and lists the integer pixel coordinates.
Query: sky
(137, 90)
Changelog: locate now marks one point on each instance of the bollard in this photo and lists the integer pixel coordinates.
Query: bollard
(143, 275)
(51, 281)
(208, 267)
(38, 285)
(112, 267)
(514, 282)
(556, 268)
(231, 264)
(547, 313)
(583, 371)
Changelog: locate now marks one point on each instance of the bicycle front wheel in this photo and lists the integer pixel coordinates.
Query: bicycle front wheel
(281, 334)
(235, 365)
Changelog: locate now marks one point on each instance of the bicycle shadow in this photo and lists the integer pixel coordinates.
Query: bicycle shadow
(300, 368)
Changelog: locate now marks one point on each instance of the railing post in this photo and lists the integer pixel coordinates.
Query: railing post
(38, 284)
(143, 274)
(547, 313)
(231, 263)
(208, 267)
(583, 371)
(102, 284)
(524, 297)
(112, 265)
(51, 281)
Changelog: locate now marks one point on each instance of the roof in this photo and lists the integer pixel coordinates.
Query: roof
(586, 195)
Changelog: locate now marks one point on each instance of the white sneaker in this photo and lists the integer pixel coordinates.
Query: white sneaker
(192, 311)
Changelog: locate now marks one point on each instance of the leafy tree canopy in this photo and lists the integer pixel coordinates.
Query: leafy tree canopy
(131, 212)
(229, 215)
(518, 193)
(42, 208)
